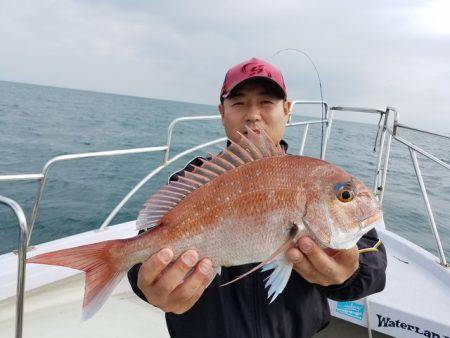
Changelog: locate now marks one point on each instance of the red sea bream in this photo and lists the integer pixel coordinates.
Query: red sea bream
(248, 204)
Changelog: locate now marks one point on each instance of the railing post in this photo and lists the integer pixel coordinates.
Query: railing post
(388, 152)
(377, 180)
(37, 200)
(428, 206)
(385, 167)
(369, 326)
(302, 145)
(329, 114)
(22, 255)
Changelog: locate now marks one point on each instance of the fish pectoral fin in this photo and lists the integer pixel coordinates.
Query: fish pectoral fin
(279, 277)
(269, 260)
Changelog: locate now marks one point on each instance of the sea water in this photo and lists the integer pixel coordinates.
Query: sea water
(39, 122)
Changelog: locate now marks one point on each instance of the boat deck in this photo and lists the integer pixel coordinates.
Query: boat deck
(53, 311)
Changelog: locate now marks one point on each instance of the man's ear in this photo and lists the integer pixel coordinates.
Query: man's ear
(221, 109)
(287, 107)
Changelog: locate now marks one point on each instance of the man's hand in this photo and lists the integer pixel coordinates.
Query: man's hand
(167, 286)
(323, 267)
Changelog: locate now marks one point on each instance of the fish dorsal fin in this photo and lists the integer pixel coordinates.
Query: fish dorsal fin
(251, 147)
(164, 200)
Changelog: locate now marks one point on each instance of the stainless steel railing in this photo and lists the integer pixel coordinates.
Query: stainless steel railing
(379, 184)
(326, 119)
(413, 150)
(22, 255)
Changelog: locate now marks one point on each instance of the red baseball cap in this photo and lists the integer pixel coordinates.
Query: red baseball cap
(253, 68)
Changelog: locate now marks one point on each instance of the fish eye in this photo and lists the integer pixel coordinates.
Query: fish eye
(344, 195)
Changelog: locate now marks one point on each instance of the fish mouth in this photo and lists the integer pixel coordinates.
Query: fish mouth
(374, 221)
(375, 217)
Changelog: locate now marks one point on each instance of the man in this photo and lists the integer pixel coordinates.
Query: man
(254, 95)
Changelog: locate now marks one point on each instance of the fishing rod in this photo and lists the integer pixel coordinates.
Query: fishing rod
(319, 80)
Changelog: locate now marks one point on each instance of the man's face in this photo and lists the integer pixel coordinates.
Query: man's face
(256, 106)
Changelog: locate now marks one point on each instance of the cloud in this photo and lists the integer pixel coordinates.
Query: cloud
(368, 53)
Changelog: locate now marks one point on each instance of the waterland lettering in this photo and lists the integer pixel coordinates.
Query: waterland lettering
(388, 322)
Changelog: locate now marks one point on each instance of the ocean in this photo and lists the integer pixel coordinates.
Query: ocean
(40, 122)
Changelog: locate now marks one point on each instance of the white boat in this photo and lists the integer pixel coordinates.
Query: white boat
(46, 300)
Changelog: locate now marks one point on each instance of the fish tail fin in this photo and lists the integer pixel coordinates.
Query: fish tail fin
(102, 264)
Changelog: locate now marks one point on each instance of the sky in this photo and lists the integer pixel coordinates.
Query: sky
(369, 53)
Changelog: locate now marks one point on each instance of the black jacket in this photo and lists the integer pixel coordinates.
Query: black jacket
(241, 310)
